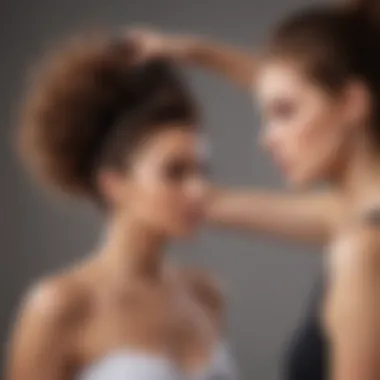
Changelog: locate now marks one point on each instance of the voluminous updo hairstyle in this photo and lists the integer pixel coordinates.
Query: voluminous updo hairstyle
(336, 43)
(90, 106)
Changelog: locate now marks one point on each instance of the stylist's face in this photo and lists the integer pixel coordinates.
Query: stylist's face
(304, 128)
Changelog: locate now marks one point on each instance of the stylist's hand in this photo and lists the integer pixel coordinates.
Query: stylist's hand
(154, 44)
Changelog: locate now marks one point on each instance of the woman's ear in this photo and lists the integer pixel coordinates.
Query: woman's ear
(113, 186)
(357, 104)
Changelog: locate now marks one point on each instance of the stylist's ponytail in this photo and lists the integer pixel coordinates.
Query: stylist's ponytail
(367, 9)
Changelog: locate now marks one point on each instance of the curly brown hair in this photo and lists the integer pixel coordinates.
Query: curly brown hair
(90, 106)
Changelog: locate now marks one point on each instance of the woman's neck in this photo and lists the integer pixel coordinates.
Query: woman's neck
(132, 251)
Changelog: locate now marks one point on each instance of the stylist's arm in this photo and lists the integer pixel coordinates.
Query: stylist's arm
(353, 310)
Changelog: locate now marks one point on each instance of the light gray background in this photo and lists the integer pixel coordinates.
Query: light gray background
(267, 282)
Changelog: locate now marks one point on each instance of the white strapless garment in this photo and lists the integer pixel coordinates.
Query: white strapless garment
(131, 365)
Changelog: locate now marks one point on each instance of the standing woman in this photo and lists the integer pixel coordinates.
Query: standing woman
(104, 125)
(318, 84)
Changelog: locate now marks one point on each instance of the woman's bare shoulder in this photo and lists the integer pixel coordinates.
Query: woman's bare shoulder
(58, 297)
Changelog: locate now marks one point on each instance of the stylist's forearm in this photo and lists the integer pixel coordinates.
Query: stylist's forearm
(235, 64)
(296, 217)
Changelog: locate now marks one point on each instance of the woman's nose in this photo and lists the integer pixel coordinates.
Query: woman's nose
(198, 188)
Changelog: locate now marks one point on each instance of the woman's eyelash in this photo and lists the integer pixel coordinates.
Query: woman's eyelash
(182, 169)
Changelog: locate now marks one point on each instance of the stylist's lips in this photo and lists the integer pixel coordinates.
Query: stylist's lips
(195, 216)
(285, 166)
(281, 163)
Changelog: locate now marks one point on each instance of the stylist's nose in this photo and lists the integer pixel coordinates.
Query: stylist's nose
(270, 138)
(266, 139)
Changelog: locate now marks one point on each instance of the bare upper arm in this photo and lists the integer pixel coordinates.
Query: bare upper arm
(39, 345)
(355, 335)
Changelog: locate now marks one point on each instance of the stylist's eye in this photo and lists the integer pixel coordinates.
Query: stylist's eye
(283, 109)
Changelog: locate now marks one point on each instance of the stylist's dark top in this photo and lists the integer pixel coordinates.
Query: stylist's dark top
(306, 357)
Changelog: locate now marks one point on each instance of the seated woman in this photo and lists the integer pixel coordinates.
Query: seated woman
(123, 133)
(317, 83)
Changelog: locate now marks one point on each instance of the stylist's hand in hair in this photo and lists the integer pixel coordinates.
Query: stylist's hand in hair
(154, 44)
(236, 64)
